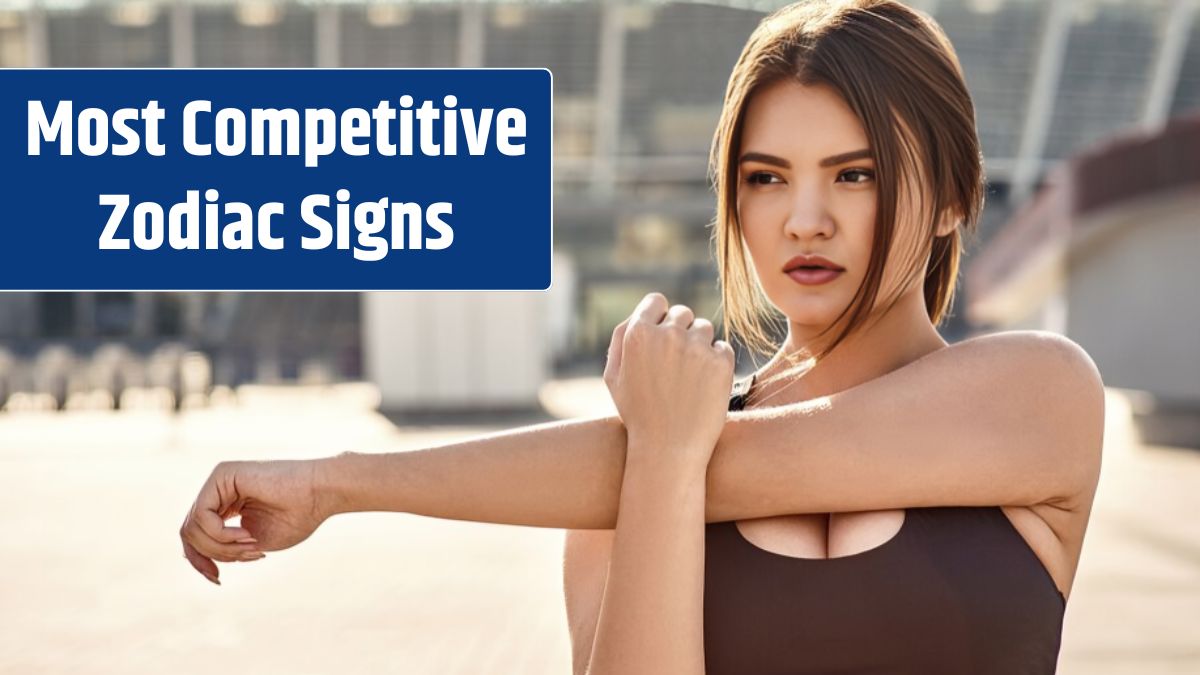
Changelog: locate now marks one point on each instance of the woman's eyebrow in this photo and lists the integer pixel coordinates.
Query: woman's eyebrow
(834, 160)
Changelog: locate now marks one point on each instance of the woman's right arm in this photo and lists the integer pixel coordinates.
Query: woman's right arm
(558, 474)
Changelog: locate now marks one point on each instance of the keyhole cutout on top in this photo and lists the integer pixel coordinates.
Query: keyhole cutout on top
(823, 536)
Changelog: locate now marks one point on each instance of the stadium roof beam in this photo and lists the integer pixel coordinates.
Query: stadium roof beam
(1167, 64)
(1047, 74)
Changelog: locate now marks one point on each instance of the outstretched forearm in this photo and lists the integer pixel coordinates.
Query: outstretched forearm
(558, 474)
(565, 474)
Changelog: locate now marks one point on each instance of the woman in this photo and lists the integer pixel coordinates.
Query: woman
(848, 133)
(873, 499)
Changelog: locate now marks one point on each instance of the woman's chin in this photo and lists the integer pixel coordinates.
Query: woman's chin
(815, 312)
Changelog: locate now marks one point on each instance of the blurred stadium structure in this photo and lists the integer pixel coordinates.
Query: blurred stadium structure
(637, 92)
(1106, 254)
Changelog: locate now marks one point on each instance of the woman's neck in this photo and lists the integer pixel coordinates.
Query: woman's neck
(894, 340)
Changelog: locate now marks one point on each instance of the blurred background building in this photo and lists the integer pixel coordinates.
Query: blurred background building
(637, 92)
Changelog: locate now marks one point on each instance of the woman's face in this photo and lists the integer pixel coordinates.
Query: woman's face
(806, 186)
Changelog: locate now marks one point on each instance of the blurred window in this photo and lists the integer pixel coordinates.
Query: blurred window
(56, 314)
(129, 33)
(399, 35)
(998, 46)
(254, 34)
(673, 87)
(168, 315)
(1187, 91)
(565, 39)
(114, 314)
(1106, 72)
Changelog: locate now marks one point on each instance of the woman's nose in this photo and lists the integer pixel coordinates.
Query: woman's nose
(809, 216)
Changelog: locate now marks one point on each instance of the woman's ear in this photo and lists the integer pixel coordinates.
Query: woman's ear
(948, 223)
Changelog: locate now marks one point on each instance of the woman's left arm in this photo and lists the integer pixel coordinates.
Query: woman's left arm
(651, 617)
(671, 385)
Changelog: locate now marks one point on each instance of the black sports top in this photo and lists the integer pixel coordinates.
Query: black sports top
(956, 590)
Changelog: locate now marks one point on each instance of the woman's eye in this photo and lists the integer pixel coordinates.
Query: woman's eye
(866, 175)
(760, 178)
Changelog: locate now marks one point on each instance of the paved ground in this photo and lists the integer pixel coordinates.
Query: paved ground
(93, 580)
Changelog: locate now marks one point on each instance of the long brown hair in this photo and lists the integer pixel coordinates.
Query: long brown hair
(899, 74)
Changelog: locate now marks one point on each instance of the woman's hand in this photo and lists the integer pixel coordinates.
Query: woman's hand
(279, 504)
(669, 380)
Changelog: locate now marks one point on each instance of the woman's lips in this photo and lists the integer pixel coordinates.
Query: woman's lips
(813, 277)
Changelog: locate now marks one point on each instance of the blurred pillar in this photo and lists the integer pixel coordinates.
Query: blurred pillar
(471, 35)
(193, 315)
(36, 42)
(328, 33)
(28, 307)
(1177, 25)
(183, 35)
(143, 315)
(609, 79)
(85, 315)
(1046, 75)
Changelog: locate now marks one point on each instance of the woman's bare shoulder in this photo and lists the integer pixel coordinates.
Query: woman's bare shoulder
(1030, 363)
(1030, 349)
(1058, 375)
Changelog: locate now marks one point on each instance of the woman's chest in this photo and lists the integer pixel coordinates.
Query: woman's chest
(835, 535)
(820, 535)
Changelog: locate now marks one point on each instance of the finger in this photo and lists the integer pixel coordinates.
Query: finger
(726, 351)
(232, 510)
(201, 563)
(702, 329)
(205, 546)
(679, 315)
(205, 524)
(205, 527)
(651, 309)
(216, 503)
(214, 526)
(614, 348)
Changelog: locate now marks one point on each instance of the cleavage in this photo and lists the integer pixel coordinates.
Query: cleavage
(822, 535)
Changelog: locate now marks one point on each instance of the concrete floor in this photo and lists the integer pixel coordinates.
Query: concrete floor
(93, 579)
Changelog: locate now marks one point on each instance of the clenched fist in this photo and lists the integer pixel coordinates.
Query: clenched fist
(669, 380)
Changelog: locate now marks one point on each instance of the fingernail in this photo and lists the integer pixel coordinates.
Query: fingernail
(249, 540)
(253, 555)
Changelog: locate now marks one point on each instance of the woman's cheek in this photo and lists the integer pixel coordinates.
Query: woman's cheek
(752, 225)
